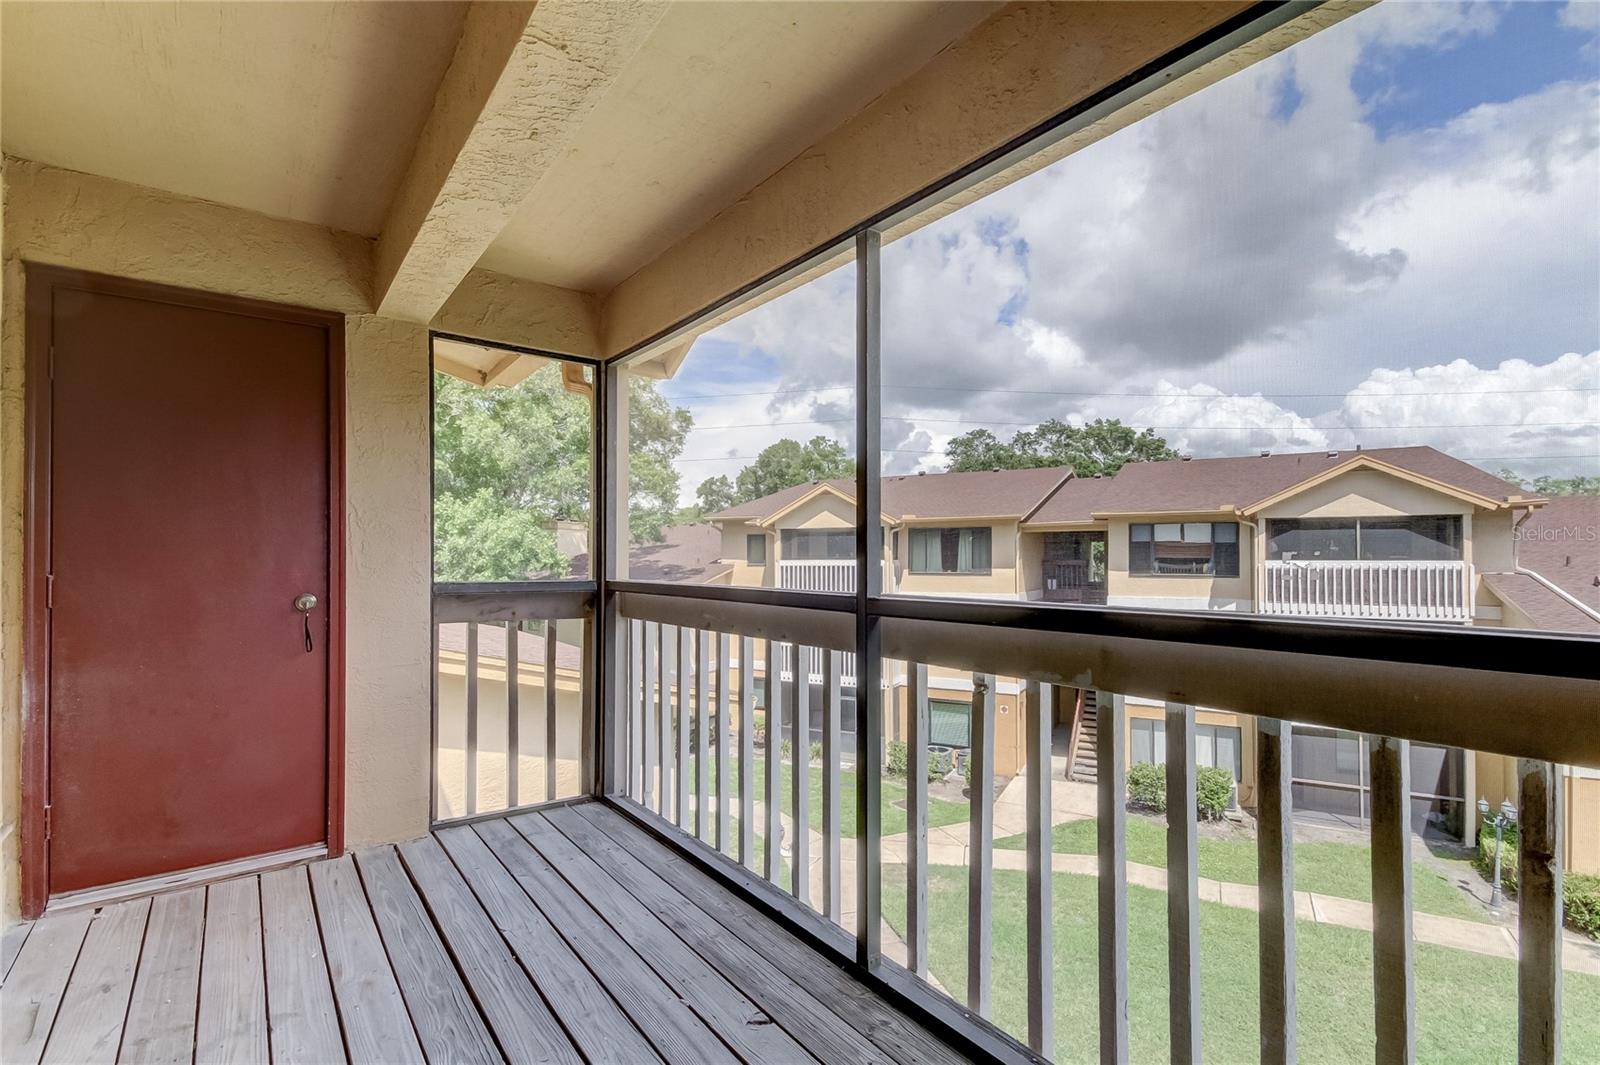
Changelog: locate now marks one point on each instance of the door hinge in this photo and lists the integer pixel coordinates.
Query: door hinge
(48, 827)
(49, 591)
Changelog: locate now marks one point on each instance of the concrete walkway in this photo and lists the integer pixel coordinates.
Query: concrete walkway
(947, 845)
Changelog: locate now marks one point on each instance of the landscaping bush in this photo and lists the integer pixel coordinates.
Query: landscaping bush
(1213, 792)
(1580, 892)
(1147, 787)
(816, 752)
(899, 758)
(966, 770)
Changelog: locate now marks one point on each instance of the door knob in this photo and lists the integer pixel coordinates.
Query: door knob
(305, 602)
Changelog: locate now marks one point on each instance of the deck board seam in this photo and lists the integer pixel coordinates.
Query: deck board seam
(138, 963)
(322, 940)
(388, 957)
(66, 985)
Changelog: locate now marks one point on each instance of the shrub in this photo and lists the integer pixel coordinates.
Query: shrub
(1580, 892)
(966, 770)
(1147, 787)
(1213, 792)
(785, 748)
(816, 752)
(899, 758)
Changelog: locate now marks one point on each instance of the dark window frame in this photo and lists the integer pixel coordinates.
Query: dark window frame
(755, 544)
(1227, 563)
(944, 533)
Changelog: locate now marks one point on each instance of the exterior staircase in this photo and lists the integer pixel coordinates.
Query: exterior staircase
(1082, 756)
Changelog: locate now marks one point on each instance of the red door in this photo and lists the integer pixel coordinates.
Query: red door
(188, 509)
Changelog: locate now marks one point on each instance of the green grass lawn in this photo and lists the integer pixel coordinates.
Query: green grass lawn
(940, 811)
(1341, 869)
(1465, 1003)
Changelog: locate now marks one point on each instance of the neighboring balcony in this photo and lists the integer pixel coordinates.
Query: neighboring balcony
(1394, 590)
(829, 575)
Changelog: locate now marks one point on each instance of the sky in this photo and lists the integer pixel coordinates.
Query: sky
(1388, 234)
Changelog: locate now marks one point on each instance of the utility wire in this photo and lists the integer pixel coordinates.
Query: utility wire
(1129, 395)
(1163, 428)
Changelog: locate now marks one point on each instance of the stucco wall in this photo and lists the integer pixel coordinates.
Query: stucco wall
(57, 217)
(1178, 591)
(1001, 579)
(1366, 494)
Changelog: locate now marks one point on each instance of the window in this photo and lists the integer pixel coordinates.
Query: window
(949, 723)
(755, 549)
(950, 550)
(1209, 548)
(1430, 538)
(816, 545)
(1215, 746)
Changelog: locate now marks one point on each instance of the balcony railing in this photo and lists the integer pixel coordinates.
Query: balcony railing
(1399, 591)
(831, 575)
(727, 761)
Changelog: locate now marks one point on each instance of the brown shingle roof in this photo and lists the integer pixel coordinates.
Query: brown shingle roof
(1210, 484)
(492, 645)
(687, 554)
(1561, 543)
(1545, 609)
(933, 496)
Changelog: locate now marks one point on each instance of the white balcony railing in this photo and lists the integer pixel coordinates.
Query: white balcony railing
(832, 575)
(1401, 591)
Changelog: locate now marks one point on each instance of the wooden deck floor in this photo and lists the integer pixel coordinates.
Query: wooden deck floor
(565, 935)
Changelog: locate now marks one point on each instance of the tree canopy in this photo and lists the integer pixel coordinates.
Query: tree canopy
(508, 461)
(1103, 446)
(1556, 486)
(780, 465)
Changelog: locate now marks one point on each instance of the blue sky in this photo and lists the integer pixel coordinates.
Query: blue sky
(1388, 234)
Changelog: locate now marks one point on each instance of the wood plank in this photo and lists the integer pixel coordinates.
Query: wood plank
(1183, 889)
(702, 734)
(664, 731)
(650, 772)
(798, 712)
(472, 719)
(11, 945)
(301, 1016)
(35, 984)
(747, 751)
(892, 1032)
(749, 1029)
(724, 815)
(638, 699)
(917, 824)
(1539, 914)
(1393, 980)
(447, 1023)
(786, 995)
(685, 711)
(161, 1015)
(1111, 745)
(677, 1034)
(376, 1024)
(980, 862)
(88, 1028)
(832, 757)
(522, 1023)
(1037, 729)
(232, 1021)
(1275, 857)
(596, 1024)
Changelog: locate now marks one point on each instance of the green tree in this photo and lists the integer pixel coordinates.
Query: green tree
(716, 493)
(1554, 486)
(507, 461)
(788, 463)
(1103, 446)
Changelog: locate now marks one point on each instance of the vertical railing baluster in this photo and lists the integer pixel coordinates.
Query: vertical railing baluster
(832, 708)
(472, 718)
(723, 842)
(747, 751)
(1183, 889)
(650, 772)
(685, 720)
(1393, 980)
(1038, 705)
(1275, 859)
(1539, 914)
(917, 823)
(774, 740)
(980, 857)
(552, 640)
(1111, 743)
(513, 715)
(799, 714)
(664, 729)
(702, 748)
(638, 699)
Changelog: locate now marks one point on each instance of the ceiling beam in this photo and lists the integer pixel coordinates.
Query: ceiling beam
(523, 80)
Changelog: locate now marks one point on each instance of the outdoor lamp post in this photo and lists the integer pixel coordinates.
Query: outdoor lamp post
(1506, 816)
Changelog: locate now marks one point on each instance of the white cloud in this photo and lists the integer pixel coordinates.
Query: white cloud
(1204, 421)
